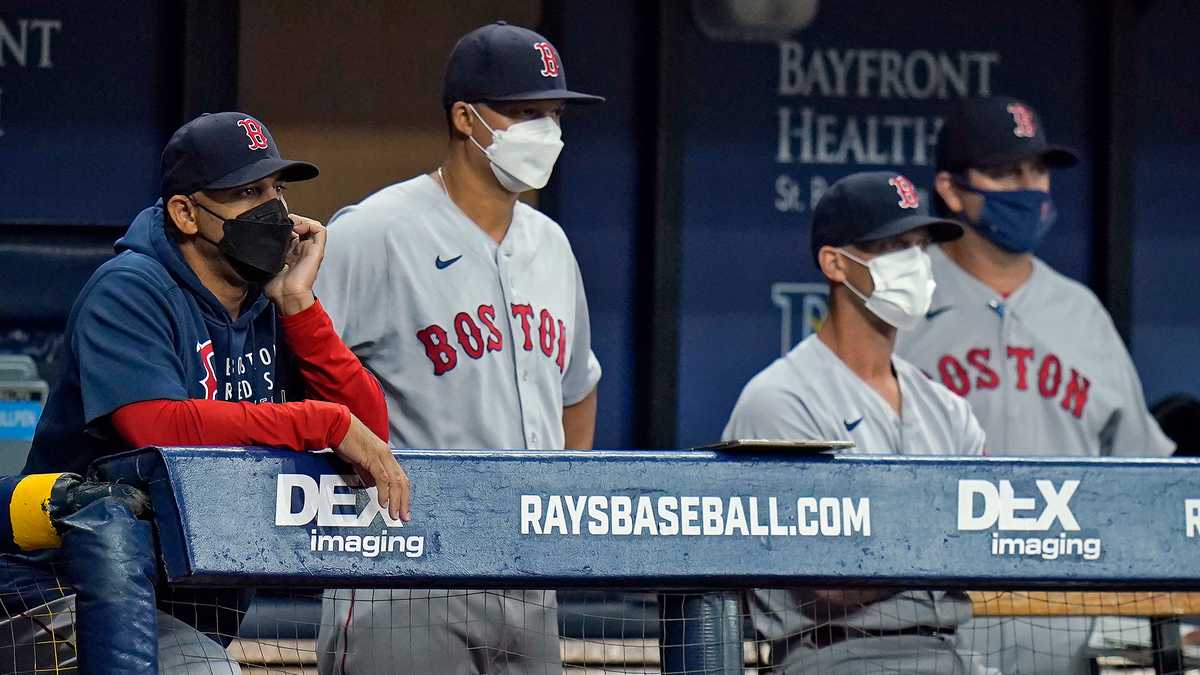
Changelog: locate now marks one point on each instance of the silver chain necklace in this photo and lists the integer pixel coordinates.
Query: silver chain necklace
(442, 180)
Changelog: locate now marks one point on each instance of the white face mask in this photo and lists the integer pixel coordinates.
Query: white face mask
(903, 285)
(523, 155)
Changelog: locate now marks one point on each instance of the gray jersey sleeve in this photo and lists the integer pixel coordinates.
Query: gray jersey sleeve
(353, 281)
(1136, 432)
(772, 413)
(583, 372)
(974, 438)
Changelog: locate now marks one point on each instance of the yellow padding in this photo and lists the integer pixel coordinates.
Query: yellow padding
(29, 512)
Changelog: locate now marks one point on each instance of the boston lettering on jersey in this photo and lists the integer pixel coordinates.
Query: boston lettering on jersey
(551, 336)
(1050, 381)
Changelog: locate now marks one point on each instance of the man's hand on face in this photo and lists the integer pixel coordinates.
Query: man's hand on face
(291, 289)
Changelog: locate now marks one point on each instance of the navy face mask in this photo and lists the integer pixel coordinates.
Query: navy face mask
(1015, 220)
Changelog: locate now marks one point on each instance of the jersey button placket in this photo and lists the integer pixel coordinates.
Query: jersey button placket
(521, 358)
(1008, 383)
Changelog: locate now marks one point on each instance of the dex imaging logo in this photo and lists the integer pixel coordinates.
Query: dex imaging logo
(339, 503)
(986, 505)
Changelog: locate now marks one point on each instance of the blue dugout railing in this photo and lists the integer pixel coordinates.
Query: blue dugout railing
(674, 520)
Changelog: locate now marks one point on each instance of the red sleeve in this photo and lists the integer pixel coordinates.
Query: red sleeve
(331, 371)
(304, 425)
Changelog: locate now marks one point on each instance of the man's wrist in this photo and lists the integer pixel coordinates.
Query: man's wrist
(294, 303)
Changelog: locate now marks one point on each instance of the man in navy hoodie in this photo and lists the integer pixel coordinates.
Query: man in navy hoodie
(204, 329)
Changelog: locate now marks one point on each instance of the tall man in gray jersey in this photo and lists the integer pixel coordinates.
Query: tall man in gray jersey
(1034, 352)
(869, 234)
(469, 307)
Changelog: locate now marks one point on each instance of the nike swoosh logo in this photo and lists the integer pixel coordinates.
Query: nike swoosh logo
(443, 264)
(934, 313)
(850, 425)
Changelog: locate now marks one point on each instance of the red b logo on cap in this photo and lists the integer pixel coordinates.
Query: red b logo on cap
(549, 59)
(908, 193)
(1023, 116)
(254, 131)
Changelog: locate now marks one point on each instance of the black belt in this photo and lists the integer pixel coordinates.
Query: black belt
(831, 634)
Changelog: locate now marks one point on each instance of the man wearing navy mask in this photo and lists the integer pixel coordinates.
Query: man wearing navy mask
(1034, 352)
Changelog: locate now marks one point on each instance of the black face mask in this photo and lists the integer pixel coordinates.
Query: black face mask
(256, 241)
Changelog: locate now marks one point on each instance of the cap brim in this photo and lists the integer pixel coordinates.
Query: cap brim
(1059, 157)
(288, 170)
(940, 229)
(1053, 156)
(549, 95)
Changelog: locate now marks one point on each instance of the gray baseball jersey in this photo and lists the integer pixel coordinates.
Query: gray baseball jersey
(812, 394)
(1044, 369)
(1047, 374)
(477, 344)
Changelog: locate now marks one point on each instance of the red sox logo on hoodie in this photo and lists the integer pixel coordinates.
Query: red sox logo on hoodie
(209, 381)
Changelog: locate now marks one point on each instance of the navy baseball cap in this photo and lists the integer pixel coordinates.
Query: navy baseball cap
(500, 62)
(988, 132)
(223, 150)
(873, 205)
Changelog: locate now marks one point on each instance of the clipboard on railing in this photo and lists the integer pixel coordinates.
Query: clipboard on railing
(767, 445)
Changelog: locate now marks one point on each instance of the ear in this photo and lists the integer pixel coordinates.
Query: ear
(462, 120)
(832, 264)
(182, 213)
(944, 185)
